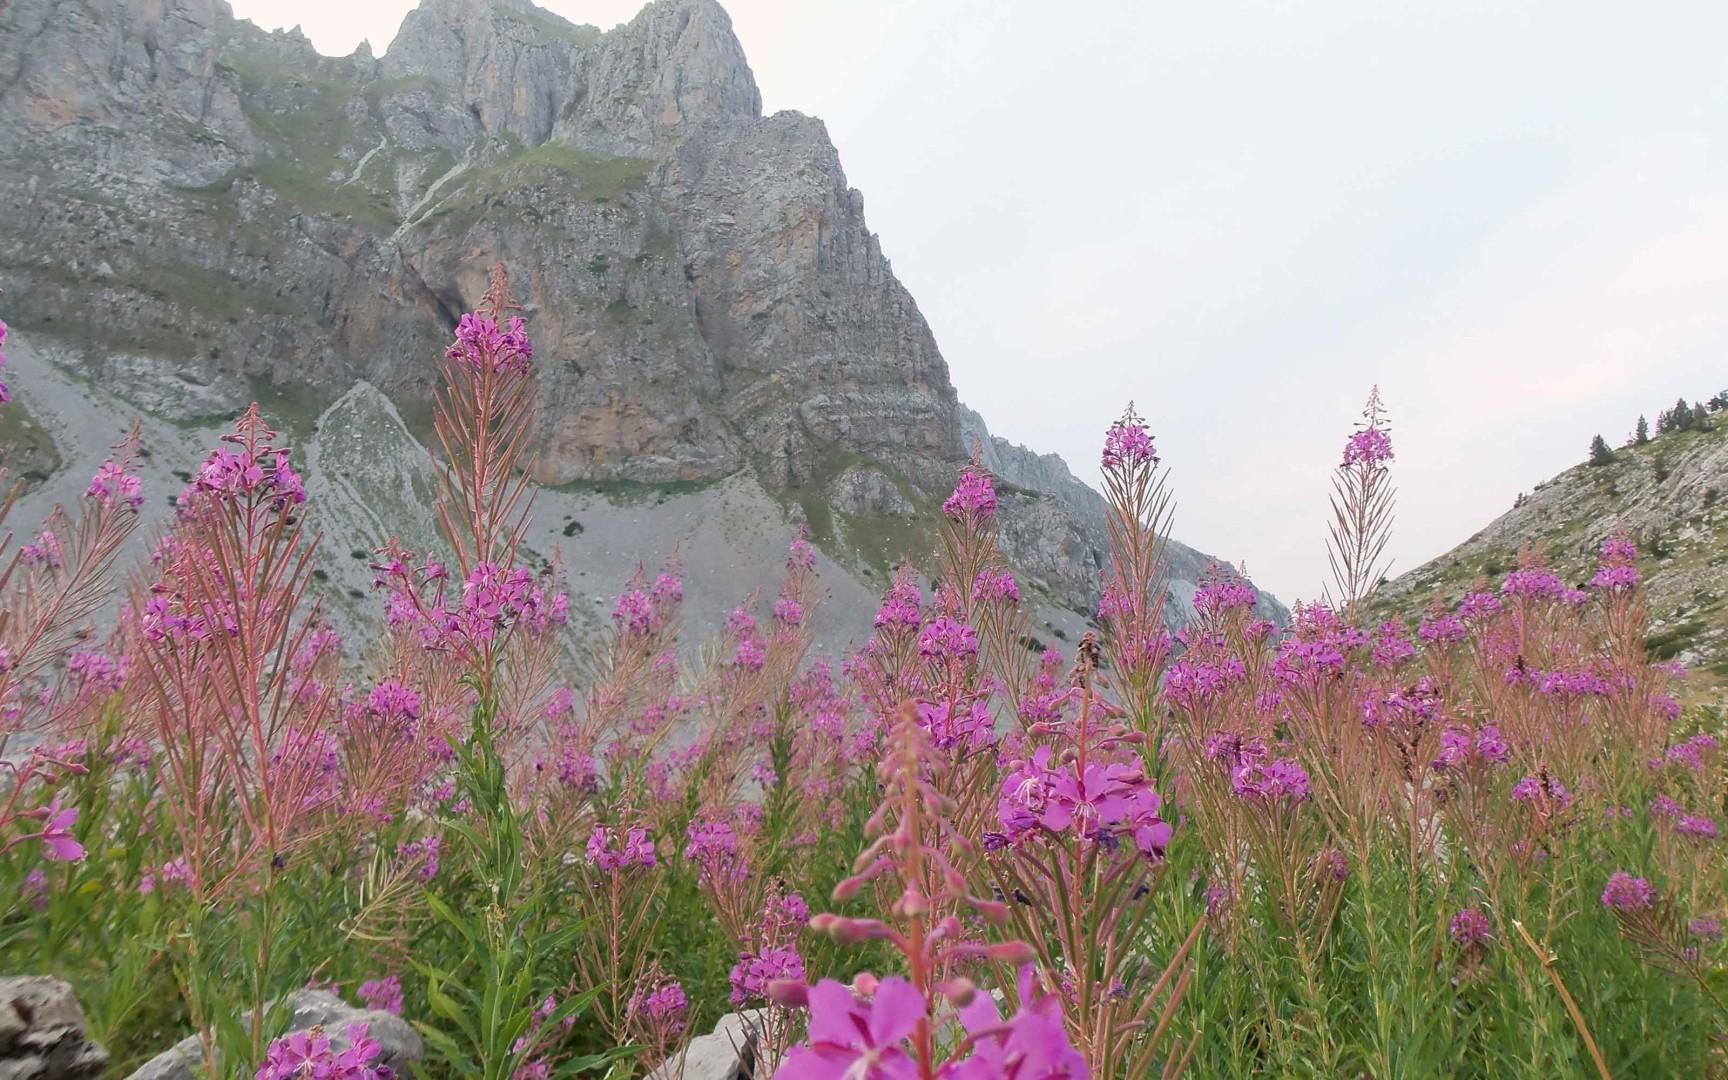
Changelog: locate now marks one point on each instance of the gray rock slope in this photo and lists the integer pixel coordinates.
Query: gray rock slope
(195, 213)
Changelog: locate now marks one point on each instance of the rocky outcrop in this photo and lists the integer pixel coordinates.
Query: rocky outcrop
(42, 1032)
(206, 213)
(401, 1044)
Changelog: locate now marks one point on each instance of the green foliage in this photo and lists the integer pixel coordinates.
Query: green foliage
(504, 933)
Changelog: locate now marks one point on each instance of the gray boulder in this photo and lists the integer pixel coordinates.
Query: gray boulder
(312, 1008)
(726, 1054)
(42, 1032)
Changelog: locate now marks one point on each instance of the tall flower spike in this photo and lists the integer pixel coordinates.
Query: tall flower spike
(484, 414)
(1362, 502)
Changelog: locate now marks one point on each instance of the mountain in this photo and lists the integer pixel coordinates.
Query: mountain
(195, 213)
(1671, 494)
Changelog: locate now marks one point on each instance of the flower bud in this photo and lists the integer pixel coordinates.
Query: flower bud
(1012, 952)
(959, 992)
(789, 993)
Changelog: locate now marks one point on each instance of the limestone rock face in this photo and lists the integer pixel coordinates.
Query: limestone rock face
(42, 1033)
(203, 213)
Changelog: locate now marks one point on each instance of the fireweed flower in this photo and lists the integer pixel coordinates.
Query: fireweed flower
(1442, 628)
(901, 606)
(1127, 443)
(5, 391)
(1477, 606)
(974, 497)
(1221, 591)
(46, 551)
(311, 1053)
(1534, 583)
(754, 971)
(1471, 929)
(424, 852)
(1628, 894)
(1370, 446)
(1391, 647)
(750, 654)
(1543, 792)
(662, 1007)
(1697, 827)
(1460, 748)
(1280, 781)
(997, 585)
(948, 639)
(973, 728)
(788, 611)
(801, 554)
(113, 486)
(1033, 1043)
(395, 703)
(853, 1038)
(384, 994)
(1705, 929)
(605, 852)
(58, 843)
(481, 345)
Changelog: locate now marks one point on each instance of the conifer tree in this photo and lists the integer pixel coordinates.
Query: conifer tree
(1599, 452)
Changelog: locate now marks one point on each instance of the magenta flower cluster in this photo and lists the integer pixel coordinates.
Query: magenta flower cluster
(313, 1053)
(483, 347)
(605, 852)
(974, 497)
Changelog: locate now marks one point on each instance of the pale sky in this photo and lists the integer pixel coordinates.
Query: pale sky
(1513, 216)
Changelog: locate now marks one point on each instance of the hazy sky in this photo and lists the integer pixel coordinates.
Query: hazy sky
(1512, 216)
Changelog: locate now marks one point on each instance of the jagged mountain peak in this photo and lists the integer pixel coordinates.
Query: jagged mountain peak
(709, 305)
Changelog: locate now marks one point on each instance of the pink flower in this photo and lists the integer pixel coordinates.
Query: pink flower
(384, 994)
(1471, 929)
(974, 496)
(1371, 446)
(1032, 1045)
(58, 843)
(113, 485)
(636, 850)
(1127, 443)
(312, 1053)
(1627, 893)
(853, 1038)
(481, 346)
(973, 728)
(996, 585)
(754, 971)
(948, 639)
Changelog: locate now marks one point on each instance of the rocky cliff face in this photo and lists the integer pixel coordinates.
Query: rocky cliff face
(1671, 494)
(196, 213)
